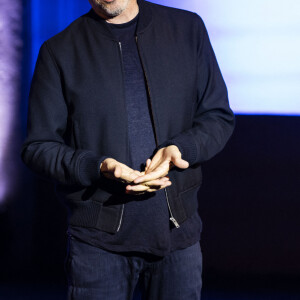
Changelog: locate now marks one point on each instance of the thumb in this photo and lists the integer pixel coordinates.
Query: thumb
(180, 163)
(118, 171)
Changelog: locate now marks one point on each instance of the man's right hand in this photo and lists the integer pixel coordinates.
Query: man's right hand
(115, 170)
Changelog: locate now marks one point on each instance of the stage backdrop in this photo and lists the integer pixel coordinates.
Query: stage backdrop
(250, 196)
(257, 44)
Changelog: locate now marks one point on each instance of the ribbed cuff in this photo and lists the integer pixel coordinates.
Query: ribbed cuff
(89, 169)
(186, 146)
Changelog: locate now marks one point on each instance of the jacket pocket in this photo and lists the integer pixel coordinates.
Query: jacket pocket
(189, 199)
(75, 193)
(93, 214)
(186, 179)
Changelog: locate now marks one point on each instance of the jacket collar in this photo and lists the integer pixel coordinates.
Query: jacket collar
(145, 16)
(144, 21)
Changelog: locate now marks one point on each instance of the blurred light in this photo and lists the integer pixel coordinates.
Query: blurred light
(50, 17)
(257, 44)
(10, 45)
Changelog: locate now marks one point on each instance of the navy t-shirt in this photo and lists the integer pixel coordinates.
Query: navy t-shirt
(145, 225)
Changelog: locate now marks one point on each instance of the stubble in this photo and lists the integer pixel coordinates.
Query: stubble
(110, 9)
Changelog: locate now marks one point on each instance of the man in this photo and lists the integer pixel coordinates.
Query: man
(125, 105)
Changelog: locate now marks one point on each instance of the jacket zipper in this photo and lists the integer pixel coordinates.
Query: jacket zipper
(123, 205)
(172, 219)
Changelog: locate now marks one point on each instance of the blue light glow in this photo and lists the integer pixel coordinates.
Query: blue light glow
(50, 17)
(257, 44)
(10, 59)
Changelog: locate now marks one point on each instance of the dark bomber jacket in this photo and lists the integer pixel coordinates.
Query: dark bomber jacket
(77, 113)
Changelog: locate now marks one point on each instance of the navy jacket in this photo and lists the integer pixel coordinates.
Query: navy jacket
(77, 114)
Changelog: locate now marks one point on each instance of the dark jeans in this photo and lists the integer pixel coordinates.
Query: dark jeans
(96, 274)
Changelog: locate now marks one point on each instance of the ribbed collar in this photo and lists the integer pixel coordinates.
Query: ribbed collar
(144, 20)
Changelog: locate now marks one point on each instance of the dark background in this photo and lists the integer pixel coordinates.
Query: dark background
(249, 202)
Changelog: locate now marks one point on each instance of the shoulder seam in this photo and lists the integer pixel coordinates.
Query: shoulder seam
(52, 57)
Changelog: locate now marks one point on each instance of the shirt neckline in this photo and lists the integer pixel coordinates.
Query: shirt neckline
(125, 25)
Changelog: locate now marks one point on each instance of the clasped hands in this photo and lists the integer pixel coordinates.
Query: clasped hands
(153, 178)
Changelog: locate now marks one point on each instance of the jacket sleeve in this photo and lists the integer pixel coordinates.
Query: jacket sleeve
(44, 149)
(213, 121)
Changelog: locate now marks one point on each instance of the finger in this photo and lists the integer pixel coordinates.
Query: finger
(115, 170)
(158, 173)
(134, 174)
(180, 163)
(155, 162)
(153, 165)
(157, 182)
(161, 171)
(157, 189)
(128, 175)
(137, 188)
(151, 187)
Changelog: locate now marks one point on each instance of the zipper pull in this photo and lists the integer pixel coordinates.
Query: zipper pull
(174, 222)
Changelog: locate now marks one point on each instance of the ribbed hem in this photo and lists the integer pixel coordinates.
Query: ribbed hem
(186, 146)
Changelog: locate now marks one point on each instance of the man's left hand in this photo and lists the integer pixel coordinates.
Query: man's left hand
(161, 164)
